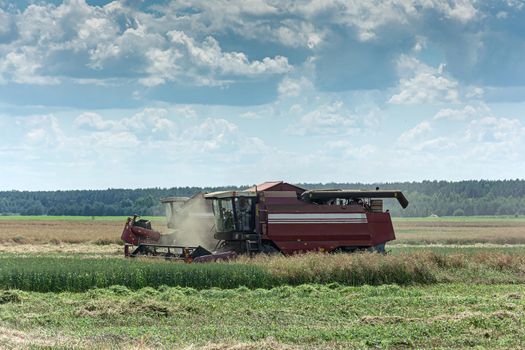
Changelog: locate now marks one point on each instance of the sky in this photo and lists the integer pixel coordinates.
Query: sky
(129, 93)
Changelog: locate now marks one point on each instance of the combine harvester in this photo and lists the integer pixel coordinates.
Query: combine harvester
(277, 217)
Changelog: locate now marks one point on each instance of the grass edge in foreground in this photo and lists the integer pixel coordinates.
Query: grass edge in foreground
(56, 274)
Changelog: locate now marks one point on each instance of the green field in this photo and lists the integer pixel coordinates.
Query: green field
(305, 317)
(77, 273)
(446, 283)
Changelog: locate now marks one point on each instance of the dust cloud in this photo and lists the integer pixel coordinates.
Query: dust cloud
(192, 224)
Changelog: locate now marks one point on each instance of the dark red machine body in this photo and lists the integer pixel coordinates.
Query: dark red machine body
(139, 231)
(291, 219)
(294, 225)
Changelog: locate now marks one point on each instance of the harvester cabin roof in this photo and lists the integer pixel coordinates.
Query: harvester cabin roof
(174, 199)
(230, 194)
(252, 191)
(275, 186)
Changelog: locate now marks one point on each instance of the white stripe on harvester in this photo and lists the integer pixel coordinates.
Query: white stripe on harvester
(310, 218)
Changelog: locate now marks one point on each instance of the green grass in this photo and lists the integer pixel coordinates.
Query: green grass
(308, 316)
(55, 274)
(48, 274)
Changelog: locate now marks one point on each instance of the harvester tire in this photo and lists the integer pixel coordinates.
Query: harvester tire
(269, 249)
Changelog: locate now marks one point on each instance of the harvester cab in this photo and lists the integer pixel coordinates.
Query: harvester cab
(172, 205)
(234, 219)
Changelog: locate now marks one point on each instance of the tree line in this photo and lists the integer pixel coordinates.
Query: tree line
(442, 198)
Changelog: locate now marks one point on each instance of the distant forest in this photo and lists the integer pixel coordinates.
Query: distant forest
(442, 198)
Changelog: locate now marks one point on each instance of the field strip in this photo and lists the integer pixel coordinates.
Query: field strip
(260, 345)
(16, 339)
(444, 245)
(75, 248)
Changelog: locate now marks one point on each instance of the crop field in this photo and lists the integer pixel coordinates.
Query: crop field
(412, 231)
(509, 230)
(42, 229)
(446, 283)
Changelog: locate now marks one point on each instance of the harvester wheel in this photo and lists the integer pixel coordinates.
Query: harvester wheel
(169, 256)
(269, 249)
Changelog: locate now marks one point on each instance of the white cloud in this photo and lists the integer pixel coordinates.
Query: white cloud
(424, 84)
(23, 67)
(218, 43)
(43, 130)
(479, 136)
(5, 22)
(327, 119)
(186, 58)
(410, 135)
(148, 123)
(107, 141)
(293, 87)
(367, 17)
(117, 39)
(210, 55)
(218, 139)
(186, 112)
(36, 135)
(152, 120)
(467, 112)
(440, 143)
(211, 135)
(250, 115)
(350, 150)
(462, 10)
(295, 33)
(421, 43)
(474, 92)
(494, 138)
(495, 130)
(92, 121)
(296, 108)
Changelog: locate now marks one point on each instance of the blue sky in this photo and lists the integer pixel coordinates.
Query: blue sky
(98, 94)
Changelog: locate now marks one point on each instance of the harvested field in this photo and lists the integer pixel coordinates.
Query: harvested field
(421, 231)
(454, 231)
(65, 231)
(63, 249)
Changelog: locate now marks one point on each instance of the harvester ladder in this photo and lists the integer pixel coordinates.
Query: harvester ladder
(253, 246)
